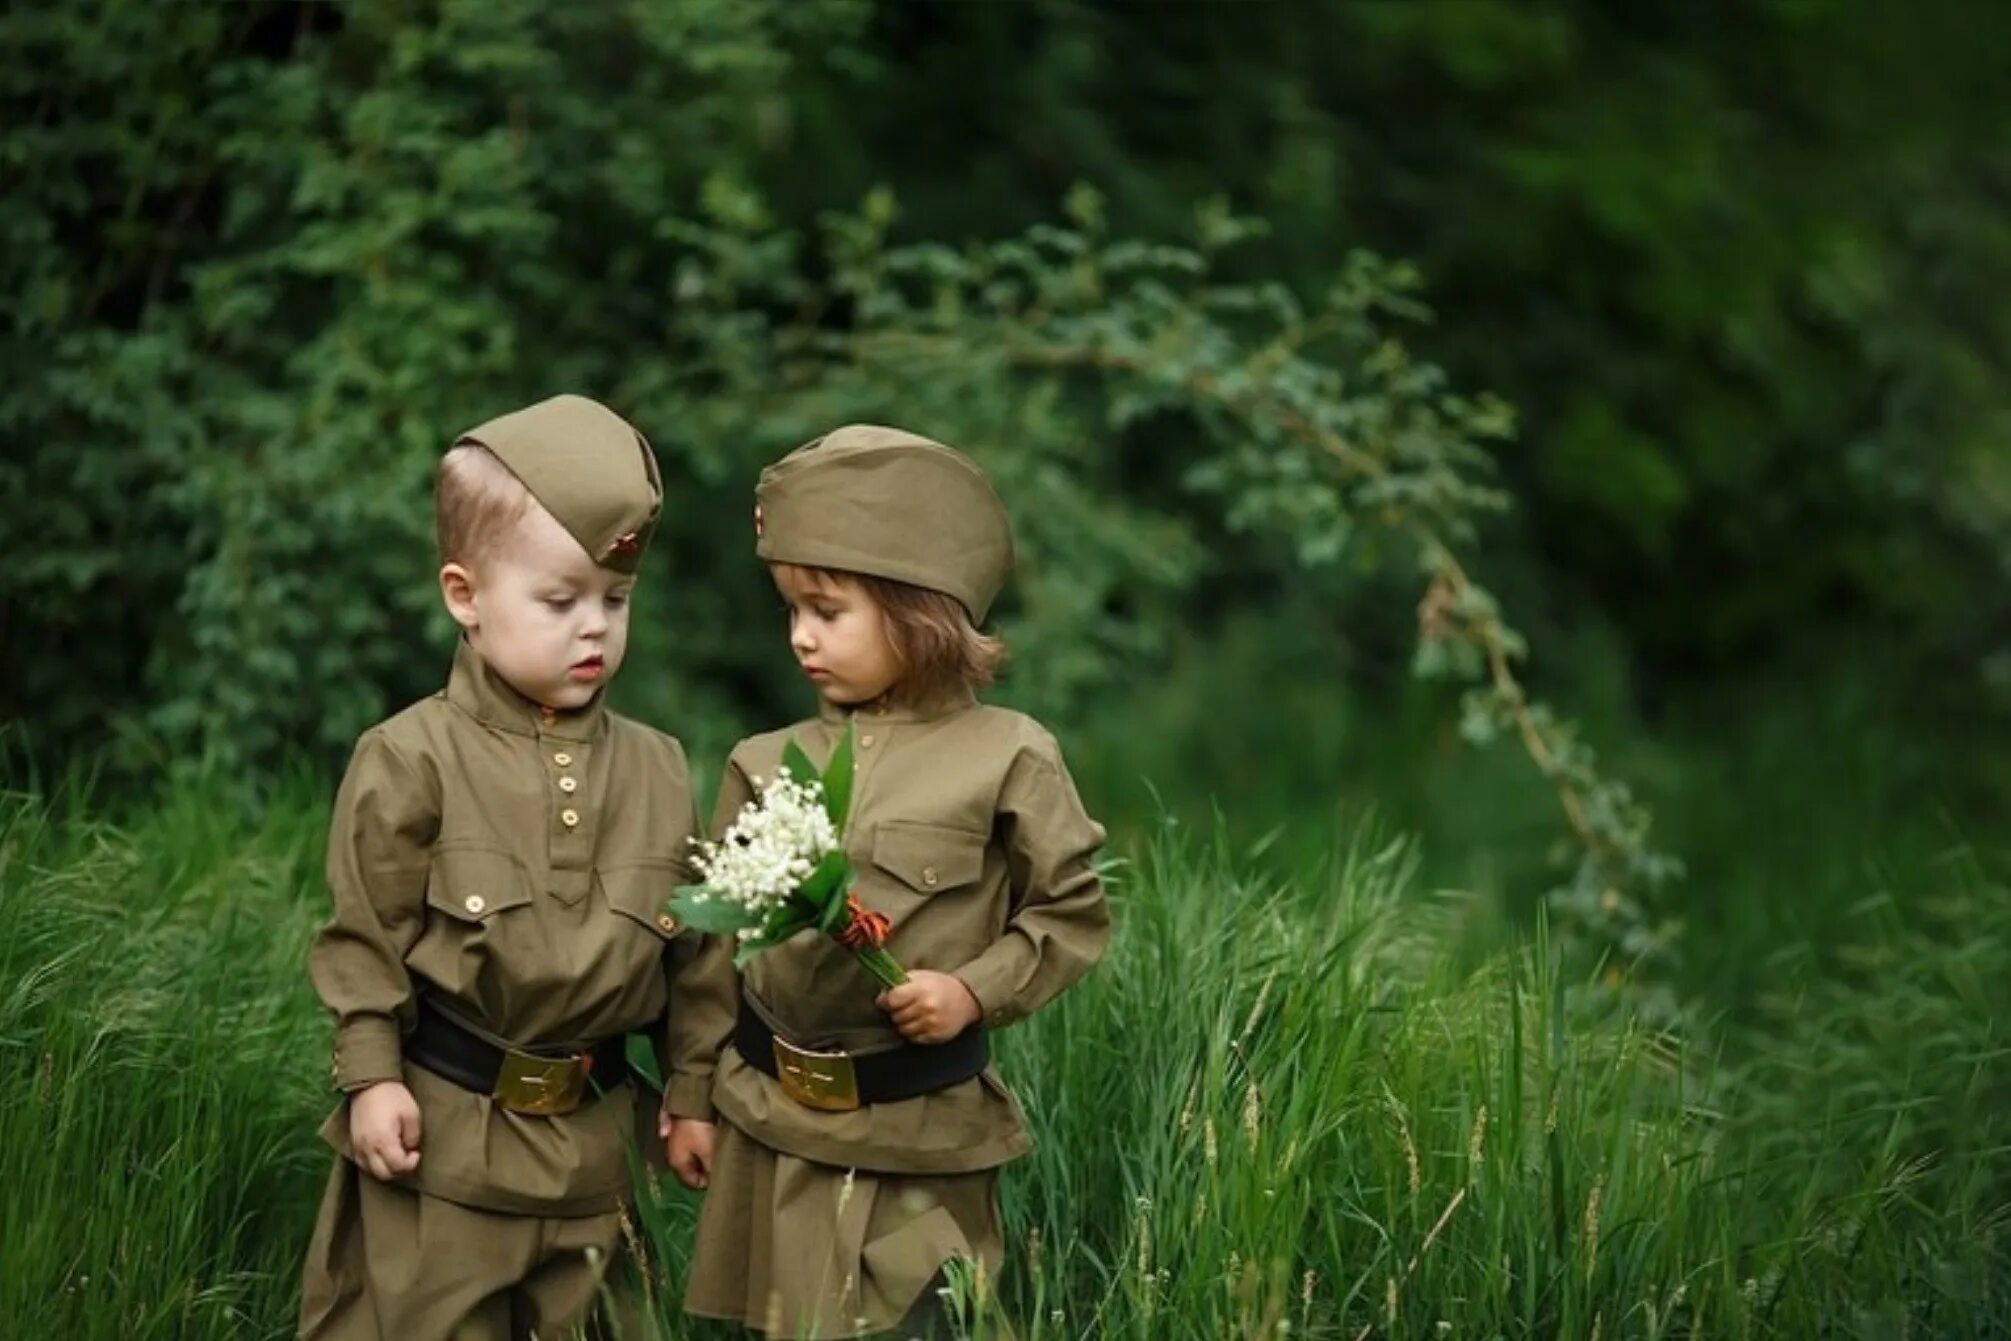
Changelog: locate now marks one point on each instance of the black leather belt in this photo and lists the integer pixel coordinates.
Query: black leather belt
(838, 1082)
(538, 1082)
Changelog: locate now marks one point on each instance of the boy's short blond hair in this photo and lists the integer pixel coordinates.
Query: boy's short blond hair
(934, 640)
(477, 501)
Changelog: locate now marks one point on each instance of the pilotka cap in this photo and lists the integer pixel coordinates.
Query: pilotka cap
(588, 467)
(888, 503)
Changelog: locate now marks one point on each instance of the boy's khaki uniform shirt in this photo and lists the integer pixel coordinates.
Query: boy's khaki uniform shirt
(967, 832)
(513, 865)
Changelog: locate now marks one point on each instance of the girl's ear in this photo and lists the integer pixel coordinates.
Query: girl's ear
(457, 591)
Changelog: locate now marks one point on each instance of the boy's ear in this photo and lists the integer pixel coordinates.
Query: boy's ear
(457, 591)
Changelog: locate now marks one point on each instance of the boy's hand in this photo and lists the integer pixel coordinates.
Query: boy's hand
(930, 1007)
(688, 1148)
(384, 1129)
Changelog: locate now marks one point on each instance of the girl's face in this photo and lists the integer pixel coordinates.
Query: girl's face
(839, 635)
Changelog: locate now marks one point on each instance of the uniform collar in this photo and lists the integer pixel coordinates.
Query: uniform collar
(926, 710)
(476, 689)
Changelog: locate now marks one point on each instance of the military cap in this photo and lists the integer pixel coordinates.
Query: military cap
(888, 503)
(588, 467)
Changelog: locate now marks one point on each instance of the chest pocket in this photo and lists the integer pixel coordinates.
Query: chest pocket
(473, 884)
(640, 890)
(928, 858)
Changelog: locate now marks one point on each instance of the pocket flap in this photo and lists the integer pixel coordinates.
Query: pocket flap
(642, 890)
(928, 857)
(473, 884)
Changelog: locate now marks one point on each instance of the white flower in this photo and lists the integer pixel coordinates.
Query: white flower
(772, 846)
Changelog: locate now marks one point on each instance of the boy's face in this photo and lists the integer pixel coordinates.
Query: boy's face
(839, 635)
(548, 618)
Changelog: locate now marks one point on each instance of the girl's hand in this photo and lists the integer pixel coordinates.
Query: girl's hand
(930, 1007)
(687, 1146)
(384, 1130)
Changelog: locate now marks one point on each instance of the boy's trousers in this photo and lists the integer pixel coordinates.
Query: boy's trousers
(390, 1264)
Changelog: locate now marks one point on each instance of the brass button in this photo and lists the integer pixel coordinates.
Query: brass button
(547, 716)
(667, 922)
(569, 817)
(562, 759)
(929, 876)
(474, 903)
(866, 742)
(568, 786)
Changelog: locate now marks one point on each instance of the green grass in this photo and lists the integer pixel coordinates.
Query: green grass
(1327, 1103)
(160, 1070)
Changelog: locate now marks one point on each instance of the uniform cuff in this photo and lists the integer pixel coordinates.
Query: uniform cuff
(991, 985)
(689, 1096)
(367, 1053)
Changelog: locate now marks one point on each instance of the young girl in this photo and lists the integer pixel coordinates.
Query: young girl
(863, 1130)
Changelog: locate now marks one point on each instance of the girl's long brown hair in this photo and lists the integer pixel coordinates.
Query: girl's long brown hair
(938, 647)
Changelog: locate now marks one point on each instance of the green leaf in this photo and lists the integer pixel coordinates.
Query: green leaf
(783, 923)
(834, 906)
(831, 874)
(797, 764)
(695, 907)
(788, 918)
(838, 780)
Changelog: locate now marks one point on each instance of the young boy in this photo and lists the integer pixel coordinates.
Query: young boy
(499, 860)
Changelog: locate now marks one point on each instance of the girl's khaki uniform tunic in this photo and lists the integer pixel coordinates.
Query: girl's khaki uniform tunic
(513, 866)
(967, 832)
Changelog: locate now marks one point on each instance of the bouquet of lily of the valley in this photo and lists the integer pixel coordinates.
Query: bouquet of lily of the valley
(780, 868)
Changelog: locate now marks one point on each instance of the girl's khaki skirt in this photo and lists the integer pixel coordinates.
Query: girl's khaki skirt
(799, 1249)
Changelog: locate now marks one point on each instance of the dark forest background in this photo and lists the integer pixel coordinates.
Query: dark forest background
(1735, 277)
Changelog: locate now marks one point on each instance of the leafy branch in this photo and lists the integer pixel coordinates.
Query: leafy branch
(1319, 424)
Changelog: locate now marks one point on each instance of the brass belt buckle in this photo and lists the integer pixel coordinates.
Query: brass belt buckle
(821, 1080)
(542, 1086)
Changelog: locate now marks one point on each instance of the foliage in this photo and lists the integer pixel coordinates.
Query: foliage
(1742, 281)
(269, 258)
(1314, 425)
(428, 219)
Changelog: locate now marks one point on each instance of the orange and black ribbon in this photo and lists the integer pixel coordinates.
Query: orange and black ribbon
(864, 929)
